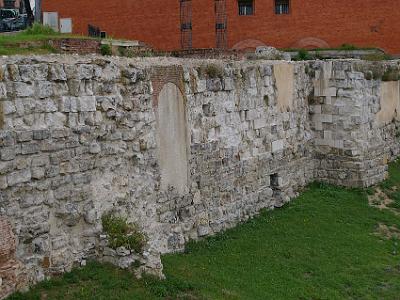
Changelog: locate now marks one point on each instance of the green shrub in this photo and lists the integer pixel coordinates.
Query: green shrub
(168, 289)
(303, 55)
(391, 74)
(377, 57)
(348, 47)
(211, 71)
(123, 234)
(39, 29)
(105, 49)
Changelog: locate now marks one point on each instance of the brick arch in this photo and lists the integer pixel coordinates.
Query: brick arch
(311, 42)
(249, 44)
(163, 75)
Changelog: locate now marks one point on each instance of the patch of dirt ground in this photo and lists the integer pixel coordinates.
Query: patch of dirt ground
(381, 200)
(388, 232)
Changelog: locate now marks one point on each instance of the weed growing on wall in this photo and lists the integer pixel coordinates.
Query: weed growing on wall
(377, 57)
(211, 71)
(391, 74)
(303, 54)
(39, 29)
(378, 71)
(105, 49)
(123, 234)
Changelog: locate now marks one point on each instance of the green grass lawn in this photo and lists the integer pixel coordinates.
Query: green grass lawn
(10, 44)
(323, 245)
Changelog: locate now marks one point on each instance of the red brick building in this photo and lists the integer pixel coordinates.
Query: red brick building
(176, 24)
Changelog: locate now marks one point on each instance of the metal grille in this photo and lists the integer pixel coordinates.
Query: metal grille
(221, 24)
(246, 7)
(186, 24)
(282, 7)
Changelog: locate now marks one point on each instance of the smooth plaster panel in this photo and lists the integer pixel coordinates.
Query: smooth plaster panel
(284, 76)
(172, 138)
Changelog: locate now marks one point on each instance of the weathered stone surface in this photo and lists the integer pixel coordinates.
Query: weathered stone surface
(9, 266)
(180, 154)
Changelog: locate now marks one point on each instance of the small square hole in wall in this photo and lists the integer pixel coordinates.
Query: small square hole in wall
(274, 180)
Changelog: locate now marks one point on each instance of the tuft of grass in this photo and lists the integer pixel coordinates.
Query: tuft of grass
(123, 234)
(39, 29)
(303, 54)
(348, 47)
(391, 74)
(377, 57)
(211, 71)
(105, 49)
(391, 186)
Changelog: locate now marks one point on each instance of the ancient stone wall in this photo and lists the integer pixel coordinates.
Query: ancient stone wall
(182, 148)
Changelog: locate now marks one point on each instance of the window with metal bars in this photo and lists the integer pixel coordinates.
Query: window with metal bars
(282, 7)
(246, 7)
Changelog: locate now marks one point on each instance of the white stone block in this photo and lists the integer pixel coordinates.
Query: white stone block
(260, 123)
(277, 145)
(87, 103)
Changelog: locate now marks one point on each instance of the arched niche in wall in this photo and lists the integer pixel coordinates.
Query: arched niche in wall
(248, 45)
(311, 43)
(172, 138)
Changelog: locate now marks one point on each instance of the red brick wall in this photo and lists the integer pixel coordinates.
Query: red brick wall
(311, 23)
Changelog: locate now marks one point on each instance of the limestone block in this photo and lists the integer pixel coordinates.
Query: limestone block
(260, 123)
(23, 89)
(214, 84)
(229, 84)
(38, 173)
(7, 167)
(56, 119)
(315, 109)
(8, 107)
(3, 182)
(85, 71)
(95, 148)
(322, 90)
(265, 70)
(36, 72)
(203, 230)
(29, 148)
(8, 153)
(57, 73)
(45, 89)
(86, 103)
(277, 145)
(201, 85)
(3, 90)
(18, 177)
(68, 104)
(1, 115)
